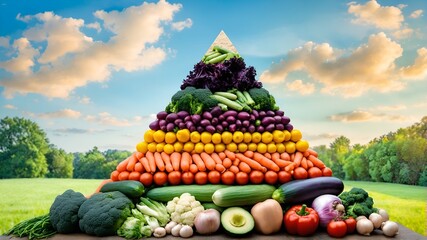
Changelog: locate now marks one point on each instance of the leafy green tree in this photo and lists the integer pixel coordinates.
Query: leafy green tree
(60, 163)
(90, 165)
(340, 149)
(23, 147)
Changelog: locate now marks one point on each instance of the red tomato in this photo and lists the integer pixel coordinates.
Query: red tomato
(271, 177)
(337, 229)
(351, 225)
(242, 178)
(160, 178)
(300, 173)
(256, 177)
(284, 177)
(227, 177)
(146, 179)
(214, 177)
(187, 178)
(174, 177)
(201, 178)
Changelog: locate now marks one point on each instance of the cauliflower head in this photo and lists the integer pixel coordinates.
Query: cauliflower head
(184, 209)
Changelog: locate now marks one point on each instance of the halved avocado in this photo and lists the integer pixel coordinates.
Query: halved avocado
(237, 221)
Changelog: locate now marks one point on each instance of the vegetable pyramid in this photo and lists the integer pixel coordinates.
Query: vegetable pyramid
(221, 127)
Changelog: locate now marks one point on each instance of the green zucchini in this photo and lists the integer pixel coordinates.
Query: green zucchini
(130, 188)
(300, 191)
(202, 193)
(242, 195)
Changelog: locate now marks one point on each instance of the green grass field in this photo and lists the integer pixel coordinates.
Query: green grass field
(25, 198)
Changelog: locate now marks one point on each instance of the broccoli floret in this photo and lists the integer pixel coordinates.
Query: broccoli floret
(104, 213)
(203, 96)
(181, 93)
(192, 100)
(63, 211)
(357, 202)
(262, 98)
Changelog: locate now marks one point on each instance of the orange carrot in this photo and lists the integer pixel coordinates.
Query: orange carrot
(309, 164)
(123, 176)
(193, 168)
(185, 161)
(139, 168)
(312, 152)
(159, 161)
(276, 158)
(199, 162)
(304, 163)
(220, 168)
(285, 156)
(114, 176)
(131, 163)
(290, 167)
(122, 165)
(216, 158)
(222, 155)
(145, 164)
(175, 160)
(234, 169)
(208, 160)
(167, 160)
(151, 161)
(249, 154)
(227, 163)
(264, 161)
(252, 163)
(244, 167)
(267, 155)
(306, 154)
(231, 155)
(236, 162)
(292, 157)
(139, 155)
(134, 176)
(316, 162)
(297, 159)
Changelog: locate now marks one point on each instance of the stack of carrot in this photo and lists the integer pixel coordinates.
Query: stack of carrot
(225, 167)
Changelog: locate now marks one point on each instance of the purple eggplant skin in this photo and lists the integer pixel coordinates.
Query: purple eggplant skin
(246, 123)
(214, 121)
(163, 128)
(262, 114)
(243, 129)
(280, 127)
(251, 129)
(219, 128)
(210, 129)
(196, 118)
(230, 119)
(162, 115)
(255, 113)
(278, 119)
(243, 116)
(171, 117)
(178, 121)
(216, 111)
(182, 125)
(182, 114)
(267, 121)
(170, 127)
(252, 118)
(225, 124)
(280, 113)
(207, 115)
(205, 123)
(162, 123)
(221, 117)
(230, 113)
(200, 129)
(289, 127)
(154, 125)
(285, 120)
(260, 129)
(232, 127)
(187, 118)
(270, 127)
(238, 123)
(189, 124)
(271, 113)
(192, 128)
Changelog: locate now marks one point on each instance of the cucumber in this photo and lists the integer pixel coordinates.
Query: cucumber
(130, 188)
(202, 193)
(299, 191)
(242, 195)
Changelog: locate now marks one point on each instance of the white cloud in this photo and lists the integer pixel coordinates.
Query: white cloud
(65, 113)
(106, 118)
(95, 26)
(368, 116)
(301, 87)
(372, 13)
(9, 106)
(417, 71)
(84, 100)
(369, 67)
(79, 61)
(179, 26)
(25, 18)
(4, 42)
(404, 32)
(416, 14)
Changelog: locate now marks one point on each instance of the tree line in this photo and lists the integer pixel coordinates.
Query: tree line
(396, 157)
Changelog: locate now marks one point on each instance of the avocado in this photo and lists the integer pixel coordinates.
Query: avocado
(237, 221)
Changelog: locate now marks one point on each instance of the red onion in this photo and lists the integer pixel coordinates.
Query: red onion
(326, 207)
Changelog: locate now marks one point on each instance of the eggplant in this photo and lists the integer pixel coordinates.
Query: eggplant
(189, 124)
(260, 129)
(182, 114)
(196, 118)
(251, 129)
(243, 129)
(214, 121)
(163, 128)
(182, 125)
(270, 113)
(243, 116)
(300, 191)
(230, 119)
(219, 128)
(246, 123)
(171, 117)
(280, 127)
(255, 113)
(192, 128)
(285, 120)
(277, 119)
(170, 127)
(154, 125)
(162, 115)
(225, 124)
(211, 129)
(205, 123)
(289, 127)
(267, 121)
(221, 117)
(200, 129)
(162, 123)
(230, 113)
(187, 118)
(270, 127)
(280, 113)
(178, 121)
(238, 123)
(232, 127)
(262, 114)
(207, 115)
(216, 111)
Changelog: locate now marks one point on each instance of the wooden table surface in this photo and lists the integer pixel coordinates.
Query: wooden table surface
(404, 234)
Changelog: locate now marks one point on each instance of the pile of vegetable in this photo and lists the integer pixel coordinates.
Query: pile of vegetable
(221, 157)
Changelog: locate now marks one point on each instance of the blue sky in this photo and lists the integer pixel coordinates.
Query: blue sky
(95, 73)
